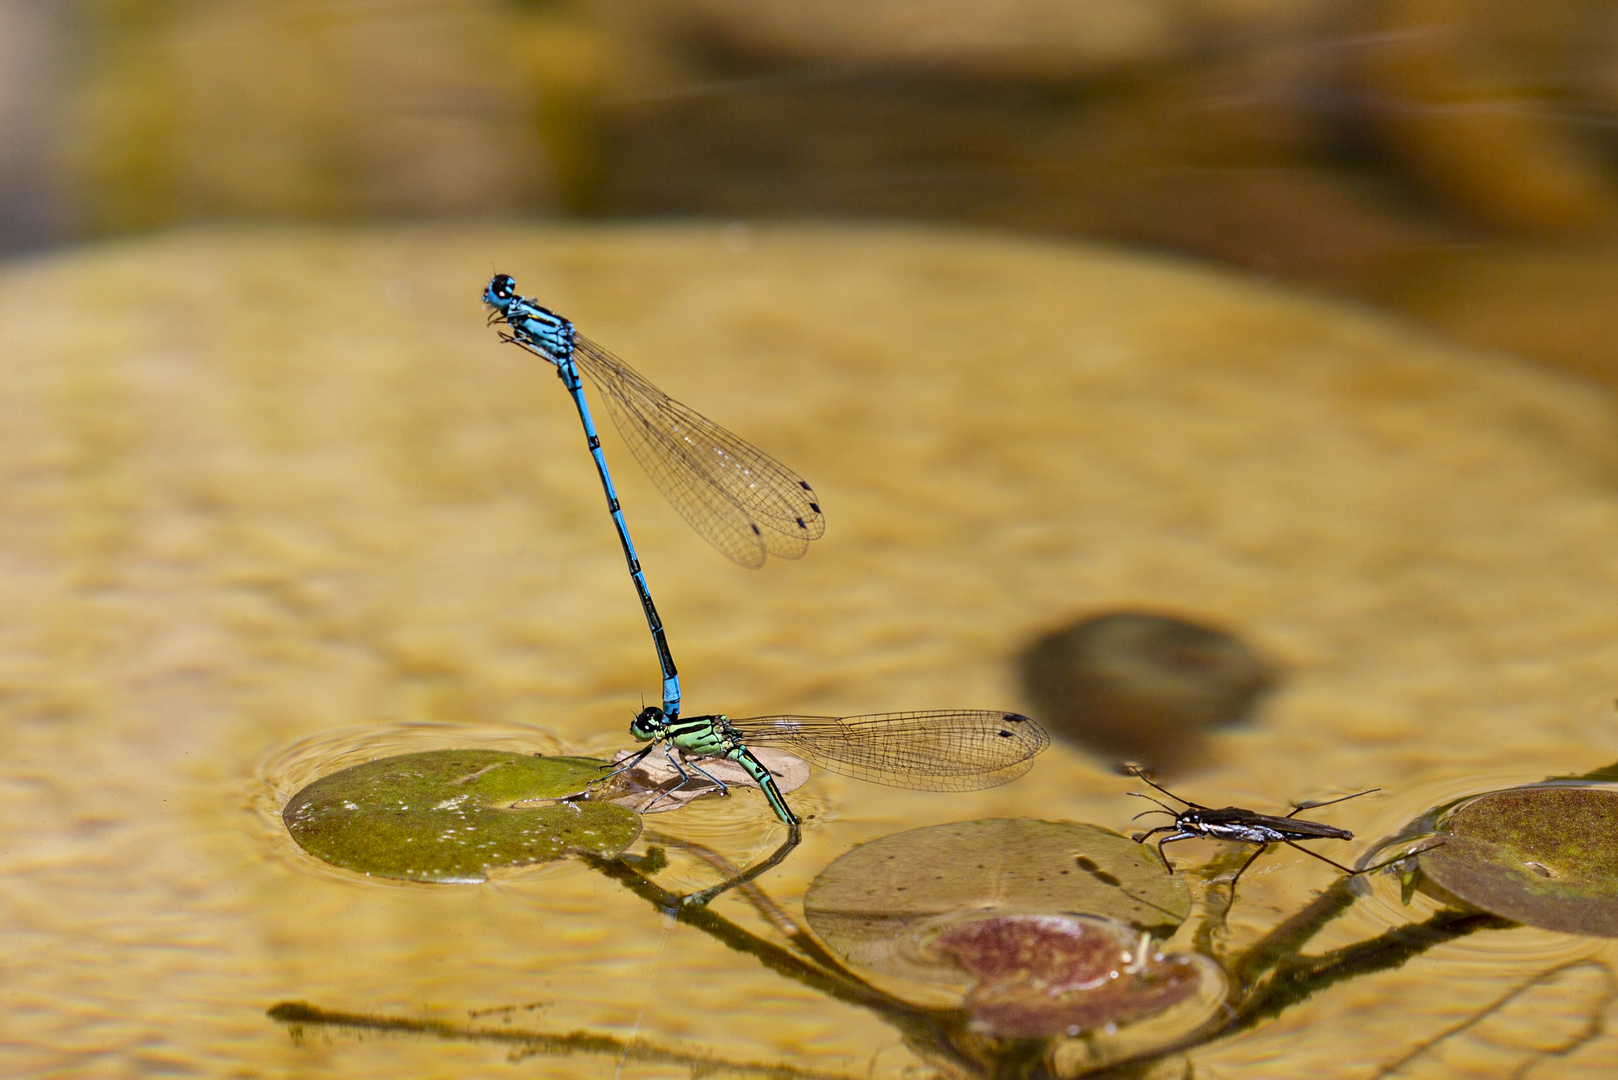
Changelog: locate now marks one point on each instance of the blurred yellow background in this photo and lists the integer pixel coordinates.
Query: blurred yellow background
(1453, 160)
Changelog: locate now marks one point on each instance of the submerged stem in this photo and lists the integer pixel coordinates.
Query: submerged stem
(1297, 977)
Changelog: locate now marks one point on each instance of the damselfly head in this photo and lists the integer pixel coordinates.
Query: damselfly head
(651, 723)
(502, 289)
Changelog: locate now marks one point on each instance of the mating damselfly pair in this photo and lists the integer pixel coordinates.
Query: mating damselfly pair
(749, 506)
(742, 501)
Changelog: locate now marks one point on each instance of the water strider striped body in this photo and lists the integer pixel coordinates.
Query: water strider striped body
(1246, 827)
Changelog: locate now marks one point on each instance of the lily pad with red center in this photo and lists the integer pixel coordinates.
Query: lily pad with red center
(875, 904)
(1041, 975)
(1546, 856)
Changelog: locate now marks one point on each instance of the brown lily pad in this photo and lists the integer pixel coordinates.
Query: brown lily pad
(877, 903)
(1040, 975)
(448, 815)
(1546, 856)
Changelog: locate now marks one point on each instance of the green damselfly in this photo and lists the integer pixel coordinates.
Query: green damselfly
(939, 750)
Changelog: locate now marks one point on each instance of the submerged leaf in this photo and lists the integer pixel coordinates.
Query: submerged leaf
(1547, 856)
(876, 903)
(446, 815)
(1035, 975)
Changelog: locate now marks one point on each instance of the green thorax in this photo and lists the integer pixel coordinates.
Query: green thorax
(698, 736)
(710, 736)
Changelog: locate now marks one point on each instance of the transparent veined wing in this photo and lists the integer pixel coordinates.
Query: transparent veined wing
(942, 750)
(740, 499)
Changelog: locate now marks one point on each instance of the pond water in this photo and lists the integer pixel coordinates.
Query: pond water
(276, 501)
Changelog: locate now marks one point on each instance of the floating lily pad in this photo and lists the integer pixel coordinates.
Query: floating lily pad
(1547, 856)
(446, 815)
(877, 903)
(1035, 975)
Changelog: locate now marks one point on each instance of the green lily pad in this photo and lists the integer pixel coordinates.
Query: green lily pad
(1547, 856)
(877, 904)
(447, 815)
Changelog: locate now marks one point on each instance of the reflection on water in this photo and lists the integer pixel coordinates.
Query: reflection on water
(1019, 985)
(253, 505)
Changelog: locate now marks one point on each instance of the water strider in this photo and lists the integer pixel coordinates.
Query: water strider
(942, 750)
(742, 501)
(1246, 827)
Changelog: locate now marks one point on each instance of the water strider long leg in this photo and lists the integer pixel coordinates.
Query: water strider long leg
(1262, 848)
(1329, 862)
(1301, 807)
(1168, 840)
(1324, 859)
